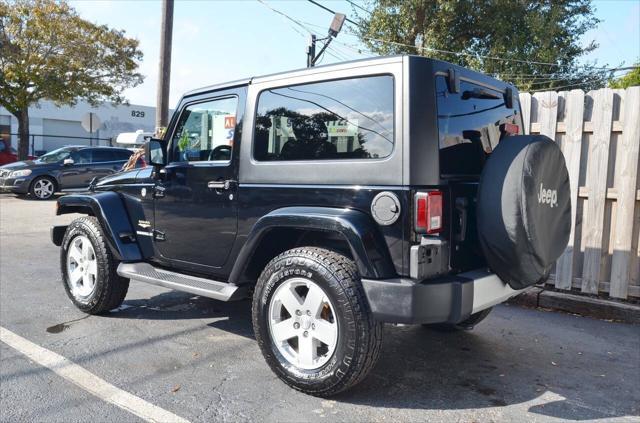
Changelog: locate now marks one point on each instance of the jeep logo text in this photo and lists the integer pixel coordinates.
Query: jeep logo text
(548, 196)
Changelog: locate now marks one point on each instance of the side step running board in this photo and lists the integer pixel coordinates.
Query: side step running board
(145, 272)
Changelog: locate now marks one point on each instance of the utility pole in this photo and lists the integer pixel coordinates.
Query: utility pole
(334, 29)
(164, 66)
(311, 51)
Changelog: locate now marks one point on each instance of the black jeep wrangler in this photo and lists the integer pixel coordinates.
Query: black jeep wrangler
(395, 189)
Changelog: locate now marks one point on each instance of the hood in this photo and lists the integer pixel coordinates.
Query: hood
(118, 178)
(26, 164)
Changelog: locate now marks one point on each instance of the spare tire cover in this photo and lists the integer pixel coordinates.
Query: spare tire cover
(524, 209)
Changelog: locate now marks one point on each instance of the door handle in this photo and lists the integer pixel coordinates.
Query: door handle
(220, 184)
(216, 184)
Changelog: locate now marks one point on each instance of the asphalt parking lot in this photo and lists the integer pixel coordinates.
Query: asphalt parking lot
(196, 358)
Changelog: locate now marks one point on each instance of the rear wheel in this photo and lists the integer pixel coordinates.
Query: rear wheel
(313, 323)
(89, 269)
(467, 324)
(42, 188)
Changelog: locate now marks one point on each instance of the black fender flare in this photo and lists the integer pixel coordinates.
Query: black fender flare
(366, 242)
(110, 211)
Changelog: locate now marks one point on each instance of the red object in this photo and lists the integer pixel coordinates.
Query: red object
(510, 128)
(428, 208)
(7, 154)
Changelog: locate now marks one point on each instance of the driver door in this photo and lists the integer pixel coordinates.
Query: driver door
(77, 175)
(195, 209)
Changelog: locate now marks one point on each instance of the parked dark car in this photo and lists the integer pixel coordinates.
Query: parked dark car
(66, 168)
(395, 189)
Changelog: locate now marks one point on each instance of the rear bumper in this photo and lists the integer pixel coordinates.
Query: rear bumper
(446, 300)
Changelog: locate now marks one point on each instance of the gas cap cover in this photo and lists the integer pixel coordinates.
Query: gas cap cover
(385, 208)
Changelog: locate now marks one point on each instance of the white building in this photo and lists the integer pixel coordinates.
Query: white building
(53, 127)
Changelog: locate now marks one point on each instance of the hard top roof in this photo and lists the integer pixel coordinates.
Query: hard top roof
(358, 62)
(332, 66)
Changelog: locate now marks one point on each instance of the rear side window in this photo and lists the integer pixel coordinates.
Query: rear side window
(342, 119)
(470, 125)
(102, 156)
(122, 155)
(82, 156)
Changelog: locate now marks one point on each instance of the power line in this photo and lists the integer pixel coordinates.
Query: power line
(287, 17)
(331, 11)
(460, 53)
(333, 53)
(534, 79)
(457, 53)
(560, 74)
(564, 86)
(340, 55)
(298, 24)
(331, 112)
(359, 7)
(340, 102)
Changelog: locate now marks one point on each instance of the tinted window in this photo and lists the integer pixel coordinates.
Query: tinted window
(205, 131)
(56, 155)
(344, 119)
(469, 125)
(122, 155)
(81, 156)
(103, 156)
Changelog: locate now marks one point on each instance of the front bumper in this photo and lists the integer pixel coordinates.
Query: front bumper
(451, 299)
(16, 185)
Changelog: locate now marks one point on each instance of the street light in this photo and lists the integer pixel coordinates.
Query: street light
(334, 29)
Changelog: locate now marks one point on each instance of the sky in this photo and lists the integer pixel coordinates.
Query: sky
(223, 40)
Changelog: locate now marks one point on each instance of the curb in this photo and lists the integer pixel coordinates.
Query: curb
(598, 308)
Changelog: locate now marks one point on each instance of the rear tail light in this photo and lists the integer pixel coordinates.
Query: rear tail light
(428, 212)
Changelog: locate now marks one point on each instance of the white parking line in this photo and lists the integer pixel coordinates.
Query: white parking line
(87, 380)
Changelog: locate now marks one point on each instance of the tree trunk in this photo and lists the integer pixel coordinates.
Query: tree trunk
(23, 134)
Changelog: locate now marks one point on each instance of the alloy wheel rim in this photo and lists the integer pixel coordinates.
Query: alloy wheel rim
(303, 324)
(43, 188)
(82, 267)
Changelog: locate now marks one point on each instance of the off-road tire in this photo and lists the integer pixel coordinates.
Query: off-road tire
(110, 288)
(32, 188)
(359, 335)
(467, 324)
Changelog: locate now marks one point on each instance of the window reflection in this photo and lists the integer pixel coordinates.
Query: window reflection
(345, 119)
(469, 125)
(205, 131)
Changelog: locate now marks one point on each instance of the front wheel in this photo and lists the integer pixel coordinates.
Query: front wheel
(89, 269)
(312, 321)
(42, 188)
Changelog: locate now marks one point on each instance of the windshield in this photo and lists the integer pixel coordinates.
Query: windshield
(56, 155)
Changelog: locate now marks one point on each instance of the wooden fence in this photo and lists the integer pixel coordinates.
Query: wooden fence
(599, 134)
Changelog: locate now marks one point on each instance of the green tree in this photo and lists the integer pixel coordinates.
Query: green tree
(48, 52)
(631, 79)
(479, 32)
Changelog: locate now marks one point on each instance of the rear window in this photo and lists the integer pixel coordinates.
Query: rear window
(332, 120)
(470, 125)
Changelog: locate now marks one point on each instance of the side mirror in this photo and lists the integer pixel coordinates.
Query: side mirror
(68, 162)
(154, 152)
